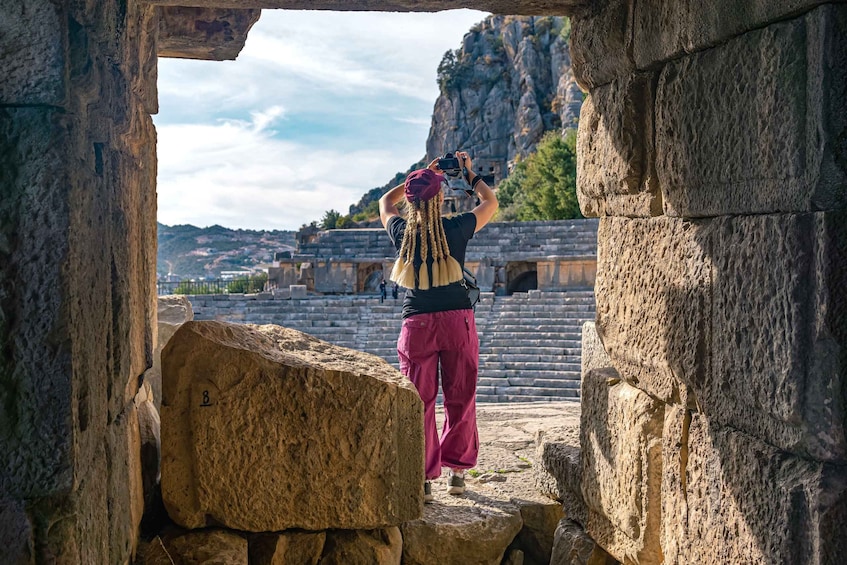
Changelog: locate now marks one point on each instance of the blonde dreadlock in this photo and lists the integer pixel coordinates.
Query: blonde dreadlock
(424, 225)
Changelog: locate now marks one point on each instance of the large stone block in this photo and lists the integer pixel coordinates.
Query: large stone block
(460, 534)
(653, 301)
(16, 543)
(600, 43)
(779, 331)
(34, 52)
(747, 311)
(213, 34)
(593, 353)
(662, 31)
(38, 416)
(172, 312)
(775, 125)
(616, 174)
(621, 440)
(558, 474)
(747, 502)
(266, 428)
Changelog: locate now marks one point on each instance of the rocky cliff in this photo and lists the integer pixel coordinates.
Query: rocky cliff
(508, 83)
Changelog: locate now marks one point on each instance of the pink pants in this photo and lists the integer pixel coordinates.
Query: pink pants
(449, 338)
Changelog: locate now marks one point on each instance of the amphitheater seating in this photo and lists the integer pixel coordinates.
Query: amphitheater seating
(508, 241)
(529, 342)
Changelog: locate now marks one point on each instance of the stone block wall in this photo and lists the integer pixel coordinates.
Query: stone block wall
(713, 148)
(77, 242)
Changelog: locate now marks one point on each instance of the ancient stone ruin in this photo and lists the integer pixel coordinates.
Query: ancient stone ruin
(713, 147)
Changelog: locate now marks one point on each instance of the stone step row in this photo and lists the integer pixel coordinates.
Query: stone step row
(508, 357)
(485, 380)
(525, 394)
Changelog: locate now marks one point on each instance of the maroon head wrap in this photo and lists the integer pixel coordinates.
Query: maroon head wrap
(423, 185)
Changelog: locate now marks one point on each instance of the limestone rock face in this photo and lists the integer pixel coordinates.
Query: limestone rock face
(266, 429)
(510, 82)
(460, 535)
(363, 547)
(621, 439)
(779, 148)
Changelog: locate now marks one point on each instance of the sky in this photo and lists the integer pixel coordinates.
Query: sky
(318, 108)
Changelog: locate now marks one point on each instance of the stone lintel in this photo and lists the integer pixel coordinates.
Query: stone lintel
(513, 7)
(212, 34)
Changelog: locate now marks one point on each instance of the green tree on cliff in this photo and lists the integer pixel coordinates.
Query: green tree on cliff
(543, 186)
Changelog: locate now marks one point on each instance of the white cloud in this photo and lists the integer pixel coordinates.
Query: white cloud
(319, 108)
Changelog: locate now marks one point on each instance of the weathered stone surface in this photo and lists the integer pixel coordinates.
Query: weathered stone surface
(363, 547)
(621, 441)
(460, 535)
(514, 557)
(535, 538)
(779, 331)
(616, 173)
(34, 52)
(16, 543)
(593, 354)
(572, 546)
(558, 474)
(652, 294)
(125, 494)
(601, 42)
(36, 424)
(662, 31)
(675, 450)
(750, 503)
(292, 546)
(173, 311)
(524, 7)
(778, 147)
(332, 437)
(747, 311)
(150, 437)
(209, 547)
(214, 34)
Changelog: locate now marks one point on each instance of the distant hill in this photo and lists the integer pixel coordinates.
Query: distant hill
(191, 252)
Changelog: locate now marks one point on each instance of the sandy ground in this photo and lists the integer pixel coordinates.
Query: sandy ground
(507, 435)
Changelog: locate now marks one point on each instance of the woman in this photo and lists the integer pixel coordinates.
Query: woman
(438, 322)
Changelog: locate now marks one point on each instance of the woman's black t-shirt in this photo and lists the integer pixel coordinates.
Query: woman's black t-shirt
(459, 230)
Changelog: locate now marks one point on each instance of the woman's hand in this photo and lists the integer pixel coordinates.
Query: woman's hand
(433, 166)
(465, 160)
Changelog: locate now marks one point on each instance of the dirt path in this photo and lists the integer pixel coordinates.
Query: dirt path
(507, 435)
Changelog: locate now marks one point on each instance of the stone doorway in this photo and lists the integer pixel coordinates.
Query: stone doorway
(521, 276)
(368, 277)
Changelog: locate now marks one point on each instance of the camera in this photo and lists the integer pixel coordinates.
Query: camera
(450, 165)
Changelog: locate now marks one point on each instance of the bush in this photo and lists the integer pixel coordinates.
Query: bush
(543, 186)
(255, 283)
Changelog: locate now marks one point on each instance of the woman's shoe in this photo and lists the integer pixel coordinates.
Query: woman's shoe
(456, 481)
